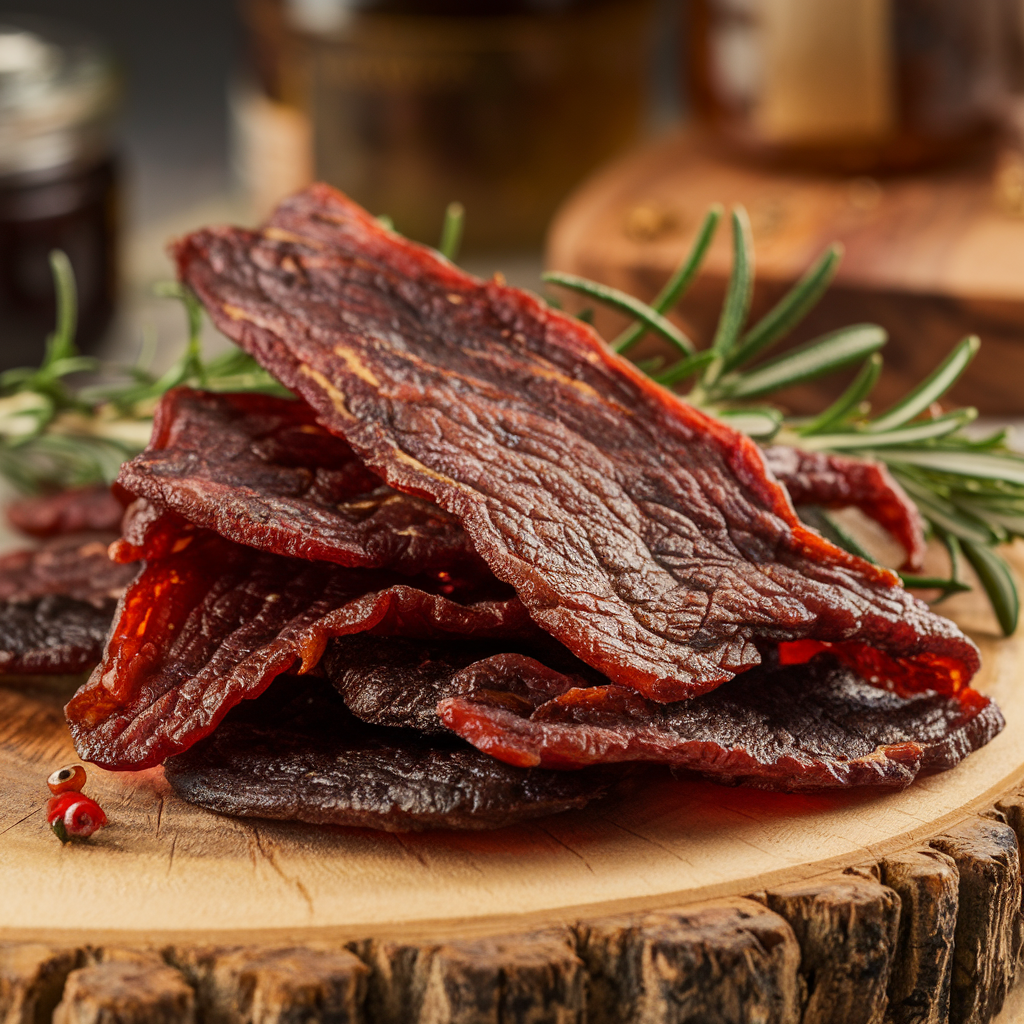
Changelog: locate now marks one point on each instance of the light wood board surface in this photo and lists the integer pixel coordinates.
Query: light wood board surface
(163, 869)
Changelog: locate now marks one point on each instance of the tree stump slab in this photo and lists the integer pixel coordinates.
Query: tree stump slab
(680, 902)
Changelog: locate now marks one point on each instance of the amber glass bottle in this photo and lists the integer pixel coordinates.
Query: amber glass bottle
(503, 106)
(850, 85)
(58, 183)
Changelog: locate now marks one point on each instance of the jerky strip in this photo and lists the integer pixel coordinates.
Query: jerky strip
(646, 536)
(53, 635)
(399, 683)
(307, 759)
(838, 481)
(815, 726)
(78, 510)
(259, 470)
(216, 622)
(74, 565)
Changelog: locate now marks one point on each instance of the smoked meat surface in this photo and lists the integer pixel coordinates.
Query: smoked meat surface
(645, 535)
(297, 754)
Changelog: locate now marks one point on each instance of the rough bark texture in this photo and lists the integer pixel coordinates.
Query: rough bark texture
(987, 857)
(123, 992)
(926, 882)
(275, 986)
(1011, 808)
(726, 962)
(847, 929)
(525, 979)
(32, 978)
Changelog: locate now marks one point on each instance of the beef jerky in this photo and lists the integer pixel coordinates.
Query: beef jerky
(646, 536)
(74, 565)
(815, 726)
(78, 510)
(52, 635)
(259, 470)
(302, 757)
(838, 481)
(397, 682)
(215, 622)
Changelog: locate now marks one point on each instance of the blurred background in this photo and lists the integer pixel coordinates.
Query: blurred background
(585, 134)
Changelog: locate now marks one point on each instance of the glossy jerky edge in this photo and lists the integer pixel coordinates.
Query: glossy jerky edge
(392, 345)
(215, 622)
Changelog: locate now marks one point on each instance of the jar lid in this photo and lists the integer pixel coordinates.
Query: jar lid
(58, 91)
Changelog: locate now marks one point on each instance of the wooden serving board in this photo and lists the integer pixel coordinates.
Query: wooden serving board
(165, 870)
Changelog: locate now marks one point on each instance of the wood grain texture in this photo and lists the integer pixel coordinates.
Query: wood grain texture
(32, 978)
(932, 257)
(847, 929)
(726, 962)
(927, 883)
(165, 869)
(126, 992)
(511, 979)
(292, 985)
(984, 957)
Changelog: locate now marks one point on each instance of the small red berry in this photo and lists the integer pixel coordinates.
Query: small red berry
(67, 780)
(72, 814)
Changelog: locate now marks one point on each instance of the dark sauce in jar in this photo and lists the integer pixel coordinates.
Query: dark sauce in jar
(58, 184)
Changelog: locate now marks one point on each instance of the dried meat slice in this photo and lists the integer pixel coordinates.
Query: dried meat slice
(77, 510)
(215, 622)
(74, 565)
(261, 471)
(816, 726)
(646, 536)
(297, 754)
(398, 682)
(52, 635)
(838, 481)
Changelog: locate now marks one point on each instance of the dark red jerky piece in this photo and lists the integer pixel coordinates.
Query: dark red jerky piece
(52, 635)
(75, 566)
(644, 535)
(215, 623)
(261, 471)
(817, 726)
(396, 682)
(838, 481)
(77, 510)
(297, 754)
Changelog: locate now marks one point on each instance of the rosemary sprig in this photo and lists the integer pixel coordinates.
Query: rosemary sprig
(969, 490)
(55, 433)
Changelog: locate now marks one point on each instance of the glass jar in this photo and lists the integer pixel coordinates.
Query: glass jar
(503, 106)
(850, 85)
(58, 183)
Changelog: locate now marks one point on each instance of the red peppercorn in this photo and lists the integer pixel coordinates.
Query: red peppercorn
(67, 780)
(72, 814)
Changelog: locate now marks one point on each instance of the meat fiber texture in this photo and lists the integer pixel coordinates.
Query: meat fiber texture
(214, 623)
(645, 535)
(298, 754)
(807, 727)
(260, 470)
(56, 604)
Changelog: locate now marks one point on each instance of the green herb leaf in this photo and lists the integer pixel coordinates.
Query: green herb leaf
(761, 423)
(741, 285)
(849, 401)
(626, 303)
(824, 355)
(790, 309)
(929, 390)
(1008, 468)
(685, 368)
(678, 284)
(451, 232)
(929, 430)
(998, 582)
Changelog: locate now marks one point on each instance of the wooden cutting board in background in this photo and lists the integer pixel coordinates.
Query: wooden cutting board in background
(931, 257)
